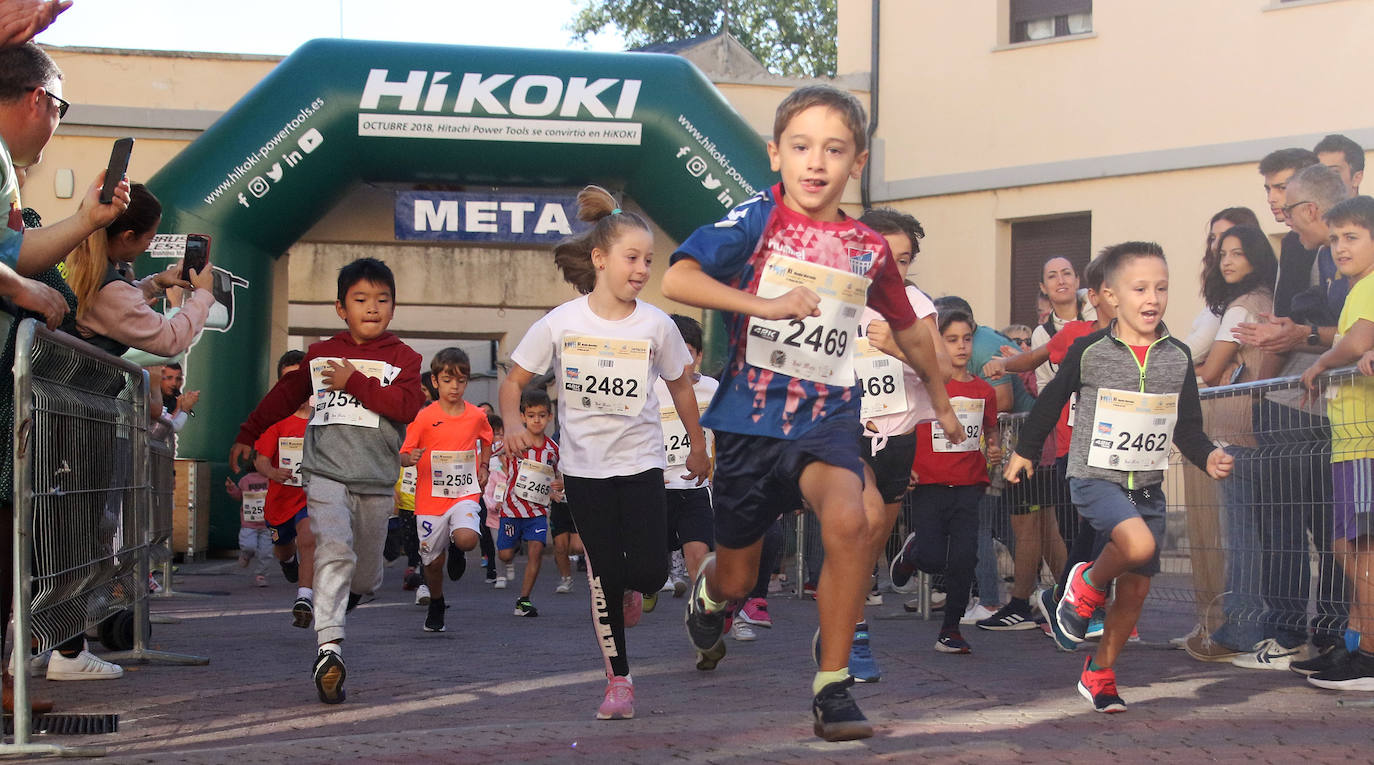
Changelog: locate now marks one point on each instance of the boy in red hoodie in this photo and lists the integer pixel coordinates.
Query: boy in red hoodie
(366, 384)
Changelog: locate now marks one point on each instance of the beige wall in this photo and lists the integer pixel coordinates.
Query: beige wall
(1152, 123)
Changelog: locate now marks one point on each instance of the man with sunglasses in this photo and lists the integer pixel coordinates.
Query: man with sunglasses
(31, 105)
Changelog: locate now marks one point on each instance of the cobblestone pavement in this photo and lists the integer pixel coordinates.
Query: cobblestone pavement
(497, 688)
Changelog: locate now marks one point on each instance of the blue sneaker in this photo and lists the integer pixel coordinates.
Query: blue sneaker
(862, 666)
(1096, 625)
(1044, 603)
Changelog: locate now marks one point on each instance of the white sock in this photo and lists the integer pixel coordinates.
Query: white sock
(305, 592)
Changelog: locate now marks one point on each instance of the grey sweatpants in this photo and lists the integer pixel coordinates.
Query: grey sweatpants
(349, 529)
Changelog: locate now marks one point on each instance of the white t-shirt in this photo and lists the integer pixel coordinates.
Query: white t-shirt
(1206, 329)
(594, 444)
(1233, 316)
(918, 406)
(705, 388)
(1046, 371)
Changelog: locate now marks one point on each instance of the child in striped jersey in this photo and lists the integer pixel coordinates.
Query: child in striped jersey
(529, 489)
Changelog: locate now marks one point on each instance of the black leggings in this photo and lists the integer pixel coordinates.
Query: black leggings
(485, 541)
(946, 525)
(623, 524)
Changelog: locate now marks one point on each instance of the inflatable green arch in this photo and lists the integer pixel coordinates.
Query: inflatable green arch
(337, 112)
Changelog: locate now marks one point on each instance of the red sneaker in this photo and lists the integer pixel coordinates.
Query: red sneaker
(1099, 687)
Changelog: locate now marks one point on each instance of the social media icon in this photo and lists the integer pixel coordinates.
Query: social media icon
(275, 172)
(310, 140)
(242, 199)
(710, 182)
(258, 187)
(696, 166)
(682, 152)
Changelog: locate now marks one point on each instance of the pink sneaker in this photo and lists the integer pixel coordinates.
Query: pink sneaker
(755, 612)
(633, 607)
(619, 703)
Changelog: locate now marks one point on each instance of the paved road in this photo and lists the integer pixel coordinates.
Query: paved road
(497, 688)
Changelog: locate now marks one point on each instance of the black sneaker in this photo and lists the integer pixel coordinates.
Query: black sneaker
(491, 576)
(457, 562)
(705, 630)
(1332, 657)
(302, 613)
(329, 676)
(523, 607)
(291, 569)
(836, 716)
(1356, 673)
(582, 563)
(353, 600)
(1012, 616)
(434, 618)
(952, 642)
(904, 563)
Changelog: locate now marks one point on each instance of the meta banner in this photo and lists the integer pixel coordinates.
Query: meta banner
(494, 217)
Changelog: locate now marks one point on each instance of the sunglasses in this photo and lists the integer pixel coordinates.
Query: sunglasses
(62, 104)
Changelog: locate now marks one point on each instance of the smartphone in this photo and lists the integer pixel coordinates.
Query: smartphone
(197, 255)
(114, 172)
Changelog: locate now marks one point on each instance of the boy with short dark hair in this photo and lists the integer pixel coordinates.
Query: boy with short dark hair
(1137, 391)
(366, 384)
(280, 450)
(1350, 406)
(530, 488)
(689, 505)
(449, 443)
(792, 273)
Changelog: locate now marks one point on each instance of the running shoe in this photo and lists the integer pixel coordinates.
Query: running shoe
(510, 572)
(1332, 657)
(680, 586)
(329, 675)
(1356, 673)
(499, 583)
(1200, 646)
(1044, 603)
(1271, 654)
(457, 562)
(742, 631)
(874, 598)
(667, 585)
(862, 666)
(1096, 625)
(260, 581)
(1078, 604)
(619, 702)
(836, 717)
(412, 579)
(704, 629)
(809, 590)
(291, 569)
(903, 567)
(564, 585)
(523, 607)
(491, 576)
(976, 612)
(83, 666)
(302, 613)
(434, 617)
(951, 641)
(422, 595)
(755, 612)
(1099, 687)
(632, 606)
(650, 602)
(1012, 616)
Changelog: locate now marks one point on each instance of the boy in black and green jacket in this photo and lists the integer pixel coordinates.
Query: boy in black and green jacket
(1136, 393)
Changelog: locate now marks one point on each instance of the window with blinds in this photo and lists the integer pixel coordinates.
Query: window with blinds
(1033, 243)
(1033, 20)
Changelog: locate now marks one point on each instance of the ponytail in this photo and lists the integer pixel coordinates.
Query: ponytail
(573, 255)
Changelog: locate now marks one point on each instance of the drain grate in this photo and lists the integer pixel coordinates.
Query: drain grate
(69, 724)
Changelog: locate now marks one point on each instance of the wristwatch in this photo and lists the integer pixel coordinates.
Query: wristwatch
(1313, 337)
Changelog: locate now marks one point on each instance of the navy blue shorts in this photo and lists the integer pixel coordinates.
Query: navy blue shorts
(512, 531)
(284, 534)
(756, 478)
(689, 517)
(1105, 505)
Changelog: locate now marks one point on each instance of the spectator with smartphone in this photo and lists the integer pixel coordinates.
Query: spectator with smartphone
(112, 308)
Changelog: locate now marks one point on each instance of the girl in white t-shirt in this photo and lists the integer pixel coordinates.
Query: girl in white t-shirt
(1237, 289)
(608, 348)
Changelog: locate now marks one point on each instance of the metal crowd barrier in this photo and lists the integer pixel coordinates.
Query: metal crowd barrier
(86, 517)
(1253, 554)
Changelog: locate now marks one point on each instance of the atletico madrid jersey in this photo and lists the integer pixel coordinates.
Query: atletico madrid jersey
(519, 507)
(754, 401)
